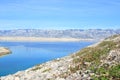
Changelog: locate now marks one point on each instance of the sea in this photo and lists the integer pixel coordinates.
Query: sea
(28, 54)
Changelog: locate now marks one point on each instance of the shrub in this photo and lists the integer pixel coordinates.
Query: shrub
(115, 71)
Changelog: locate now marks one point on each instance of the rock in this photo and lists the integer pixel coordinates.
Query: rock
(17, 78)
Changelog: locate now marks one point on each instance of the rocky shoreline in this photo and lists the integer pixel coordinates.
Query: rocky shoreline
(4, 51)
(92, 63)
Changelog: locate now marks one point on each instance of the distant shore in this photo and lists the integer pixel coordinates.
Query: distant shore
(42, 39)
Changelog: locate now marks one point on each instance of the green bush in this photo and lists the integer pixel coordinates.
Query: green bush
(115, 71)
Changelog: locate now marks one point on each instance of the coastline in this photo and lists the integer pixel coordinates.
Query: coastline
(42, 39)
(67, 68)
(4, 51)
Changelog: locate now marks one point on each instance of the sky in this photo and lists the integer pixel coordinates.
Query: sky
(59, 14)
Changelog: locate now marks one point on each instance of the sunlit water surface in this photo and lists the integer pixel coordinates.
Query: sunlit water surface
(27, 54)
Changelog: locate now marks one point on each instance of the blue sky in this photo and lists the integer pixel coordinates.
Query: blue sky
(59, 14)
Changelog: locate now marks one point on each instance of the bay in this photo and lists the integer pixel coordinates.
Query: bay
(28, 54)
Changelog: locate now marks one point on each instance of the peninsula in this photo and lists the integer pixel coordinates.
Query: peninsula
(4, 51)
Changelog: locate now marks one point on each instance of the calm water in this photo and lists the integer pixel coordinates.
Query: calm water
(27, 54)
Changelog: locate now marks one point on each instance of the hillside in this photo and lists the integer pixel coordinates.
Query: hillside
(69, 33)
(100, 61)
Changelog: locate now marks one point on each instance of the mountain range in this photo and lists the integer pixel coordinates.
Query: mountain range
(69, 33)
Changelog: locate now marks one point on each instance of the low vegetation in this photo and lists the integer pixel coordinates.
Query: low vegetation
(46, 70)
(90, 58)
(106, 73)
(37, 67)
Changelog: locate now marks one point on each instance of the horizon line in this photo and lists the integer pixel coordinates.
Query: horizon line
(64, 29)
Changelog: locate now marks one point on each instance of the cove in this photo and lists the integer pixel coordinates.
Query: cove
(28, 54)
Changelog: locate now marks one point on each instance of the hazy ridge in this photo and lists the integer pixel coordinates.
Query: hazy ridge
(69, 33)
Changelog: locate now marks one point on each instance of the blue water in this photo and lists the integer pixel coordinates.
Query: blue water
(27, 54)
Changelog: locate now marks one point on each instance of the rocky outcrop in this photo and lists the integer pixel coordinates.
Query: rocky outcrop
(92, 63)
(4, 51)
